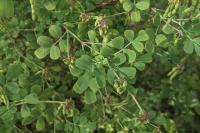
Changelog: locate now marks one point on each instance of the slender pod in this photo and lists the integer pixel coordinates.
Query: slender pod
(32, 2)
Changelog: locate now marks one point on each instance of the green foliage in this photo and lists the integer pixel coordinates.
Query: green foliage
(84, 66)
(6, 8)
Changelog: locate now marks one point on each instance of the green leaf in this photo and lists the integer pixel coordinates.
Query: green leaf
(84, 62)
(157, 19)
(146, 58)
(127, 5)
(82, 83)
(135, 16)
(118, 42)
(110, 76)
(92, 35)
(6, 8)
(119, 59)
(44, 41)
(100, 77)
(36, 89)
(12, 88)
(150, 46)
(139, 65)
(54, 52)
(167, 29)
(106, 51)
(160, 38)
(90, 97)
(142, 36)
(40, 124)
(197, 49)
(94, 85)
(188, 47)
(143, 4)
(129, 34)
(41, 52)
(196, 40)
(138, 46)
(131, 55)
(75, 71)
(13, 71)
(55, 31)
(25, 111)
(31, 99)
(50, 5)
(64, 46)
(130, 72)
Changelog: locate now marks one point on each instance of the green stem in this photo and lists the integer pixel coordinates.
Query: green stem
(75, 36)
(117, 14)
(123, 48)
(32, 2)
(52, 102)
(60, 38)
(137, 103)
(27, 58)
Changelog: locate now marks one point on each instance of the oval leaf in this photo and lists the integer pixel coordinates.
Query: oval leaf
(55, 31)
(54, 52)
(44, 41)
(41, 52)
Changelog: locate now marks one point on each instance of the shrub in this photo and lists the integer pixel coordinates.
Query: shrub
(79, 66)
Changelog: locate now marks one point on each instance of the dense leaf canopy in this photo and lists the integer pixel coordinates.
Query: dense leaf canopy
(84, 66)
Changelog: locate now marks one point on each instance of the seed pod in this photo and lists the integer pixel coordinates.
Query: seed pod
(32, 2)
(187, 10)
(169, 14)
(171, 6)
(166, 12)
(176, 5)
(173, 12)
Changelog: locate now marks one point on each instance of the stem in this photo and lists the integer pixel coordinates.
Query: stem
(81, 42)
(75, 36)
(55, 102)
(138, 105)
(60, 38)
(123, 48)
(52, 102)
(32, 3)
(68, 45)
(117, 14)
(26, 58)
